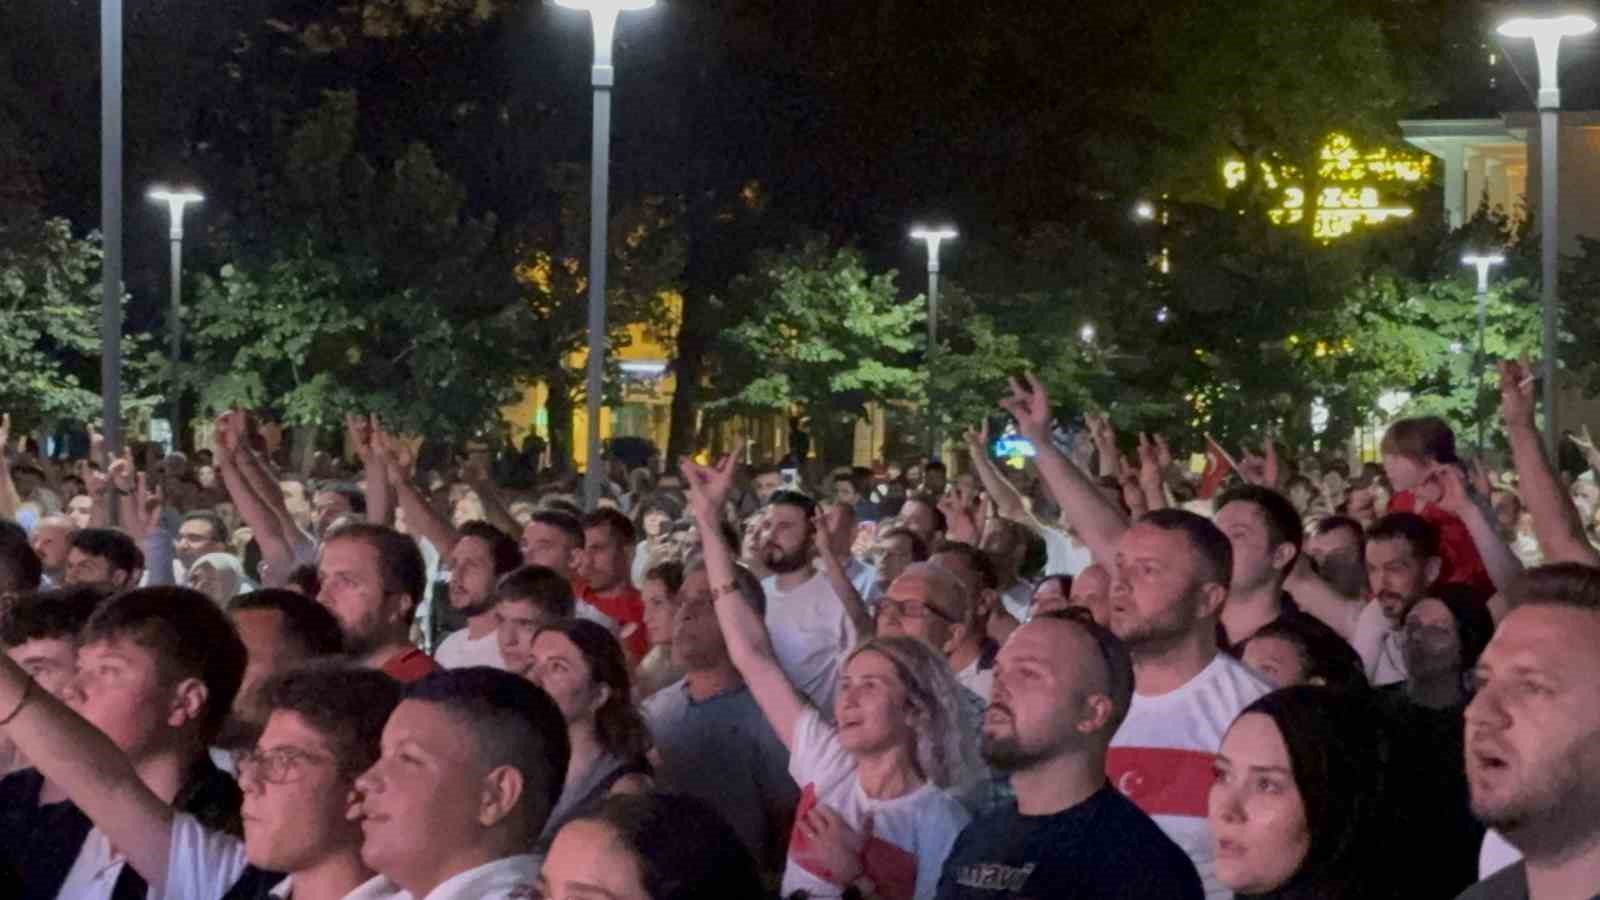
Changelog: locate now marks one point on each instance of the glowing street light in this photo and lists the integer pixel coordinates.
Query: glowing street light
(933, 237)
(176, 201)
(603, 14)
(1483, 262)
(1086, 333)
(1145, 210)
(1546, 34)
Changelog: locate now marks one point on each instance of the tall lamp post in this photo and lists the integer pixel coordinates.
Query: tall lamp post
(603, 14)
(111, 225)
(1483, 263)
(933, 237)
(176, 201)
(1547, 34)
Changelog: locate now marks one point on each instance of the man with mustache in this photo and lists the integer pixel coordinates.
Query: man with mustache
(1403, 562)
(1062, 687)
(806, 617)
(1533, 736)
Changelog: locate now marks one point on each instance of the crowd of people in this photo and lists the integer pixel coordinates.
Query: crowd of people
(1100, 675)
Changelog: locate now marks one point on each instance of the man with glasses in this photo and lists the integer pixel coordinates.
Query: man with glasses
(323, 730)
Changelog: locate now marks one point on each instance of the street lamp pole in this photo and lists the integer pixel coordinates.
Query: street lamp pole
(176, 201)
(933, 237)
(603, 14)
(1483, 262)
(111, 224)
(1547, 34)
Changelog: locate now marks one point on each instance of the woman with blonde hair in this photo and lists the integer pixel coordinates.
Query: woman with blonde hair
(873, 808)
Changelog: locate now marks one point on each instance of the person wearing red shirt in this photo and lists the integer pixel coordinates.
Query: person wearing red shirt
(1412, 449)
(372, 578)
(608, 544)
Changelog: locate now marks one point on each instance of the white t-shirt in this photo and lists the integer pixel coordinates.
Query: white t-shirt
(511, 878)
(862, 577)
(459, 651)
(1161, 757)
(1063, 554)
(1018, 600)
(202, 864)
(978, 681)
(911, 835)
(1378, 643)
(94, 873)
(810, 632)
(1496, 854)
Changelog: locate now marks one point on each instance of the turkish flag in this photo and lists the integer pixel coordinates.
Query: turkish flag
(1218, 465)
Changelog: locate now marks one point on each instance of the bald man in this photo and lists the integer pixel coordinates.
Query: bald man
(49, 540)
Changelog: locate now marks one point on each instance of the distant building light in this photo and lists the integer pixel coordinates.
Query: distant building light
(645, 369)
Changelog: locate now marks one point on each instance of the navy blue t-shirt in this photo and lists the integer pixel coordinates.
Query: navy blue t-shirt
(1105, 848)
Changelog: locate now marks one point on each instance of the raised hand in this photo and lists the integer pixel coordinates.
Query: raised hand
(94, 480)
(1150, 465)
(122, 471)
(1454, 496)
(1517, 392)
(708, 486)
(1163, 453)
(97, 443)
(977, 440)
(1030, 406)
(1480, 478)
(822, 533)
(360, 430)
(146, 516)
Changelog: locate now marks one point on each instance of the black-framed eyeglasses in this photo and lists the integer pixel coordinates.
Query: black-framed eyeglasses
(912, 609)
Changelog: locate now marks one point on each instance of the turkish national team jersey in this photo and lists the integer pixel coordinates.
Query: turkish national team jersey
(1161, 757)
(626, 607)
(1461, 562)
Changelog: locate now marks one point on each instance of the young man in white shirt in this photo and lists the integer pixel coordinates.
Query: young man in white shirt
(481, 555)
(473, 762)
(805, 615)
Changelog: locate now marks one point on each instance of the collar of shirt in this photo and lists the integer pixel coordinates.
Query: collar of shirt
(511, 878)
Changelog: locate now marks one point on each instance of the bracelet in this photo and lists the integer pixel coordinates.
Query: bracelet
(723, 590)
(27, 694)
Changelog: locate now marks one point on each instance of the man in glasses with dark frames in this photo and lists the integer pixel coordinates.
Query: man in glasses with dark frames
(322, 731)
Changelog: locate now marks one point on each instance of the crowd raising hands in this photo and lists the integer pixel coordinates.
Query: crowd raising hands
(1120, 669)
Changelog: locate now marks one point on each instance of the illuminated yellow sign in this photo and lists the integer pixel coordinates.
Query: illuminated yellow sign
(1354, 200)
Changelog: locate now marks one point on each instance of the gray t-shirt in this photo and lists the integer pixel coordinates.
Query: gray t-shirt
(722, 751)
(1510, 883)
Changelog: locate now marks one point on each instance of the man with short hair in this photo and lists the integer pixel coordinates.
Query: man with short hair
(473, 762)
(481, 555)
(372, 578)
(934, 479)
(39, 631)
(1337, 548)
(158, 669)
(201, 532)
(50, 541)
(1402, 553)
(712, 741)
(1265, 532)
(921, 515)
(1062, 688)
(324, 726)
(334, 501)
(103, 556)
(526, 600)
(280, 630)
(1006, 543)
(1533, 737)
(767, 480)
(609, 539)
(805, 615)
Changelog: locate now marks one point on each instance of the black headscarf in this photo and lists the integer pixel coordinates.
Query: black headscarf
(1340, 755)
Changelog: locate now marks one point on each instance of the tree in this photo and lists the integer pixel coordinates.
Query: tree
(50, 341)
(365, 289)
(823, 336)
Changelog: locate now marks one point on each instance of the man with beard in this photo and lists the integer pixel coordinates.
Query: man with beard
(482, 553)
(1533, 737)
(806, 617)
(372, 578)
(280, 630)
(1402, 563)
(1061, 689)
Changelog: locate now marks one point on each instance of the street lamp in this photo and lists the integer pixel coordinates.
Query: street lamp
(1483, 262)
(603, 14)
(1086, 333)
(933, 237)
(1547, 34)
(176, 201)
(111, 226)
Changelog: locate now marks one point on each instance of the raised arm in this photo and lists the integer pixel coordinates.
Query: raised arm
(749, 645)
(1555, 520)
(1313, 594)
(476, 473)
(833, 570)
(95, 774)
(277, 555)
(1007, 499)
(396, 459)
(1091, 515)
(362, 431)
(10, 500)
(1472, 509)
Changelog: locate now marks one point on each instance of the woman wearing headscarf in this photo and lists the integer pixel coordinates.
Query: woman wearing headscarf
(1298, 808)
(220, 576)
